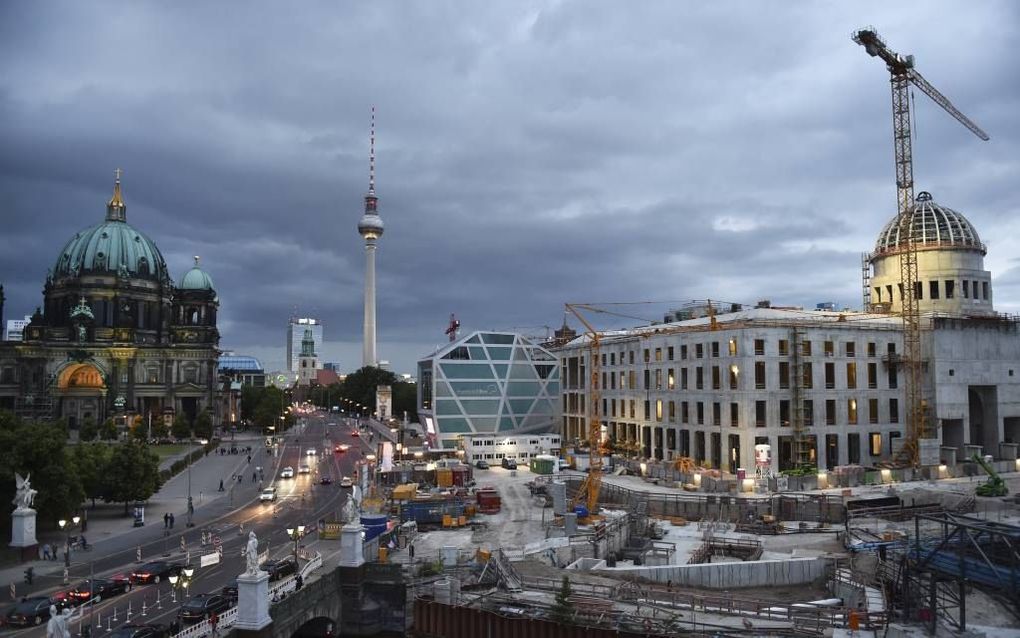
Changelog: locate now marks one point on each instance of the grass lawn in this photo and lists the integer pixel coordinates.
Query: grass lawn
(164, 451)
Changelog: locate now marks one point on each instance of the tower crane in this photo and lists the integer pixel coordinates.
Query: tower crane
(589, 492)
(903, 74)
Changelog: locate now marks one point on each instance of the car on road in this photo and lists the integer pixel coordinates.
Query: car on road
(326, 480)
(343, 447)
(310, 452)
(230, 591)
(482, 465)
(30, 611)
(132, 630)
(303, 469)
(101, 588)
(508, 464)
(200, 606)
(287, 472)
(155, 571)
(346, 482)
(278, 569)
(564, 464)
(268, 495)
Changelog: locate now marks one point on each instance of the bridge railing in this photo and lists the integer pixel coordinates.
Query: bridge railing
(276, 592)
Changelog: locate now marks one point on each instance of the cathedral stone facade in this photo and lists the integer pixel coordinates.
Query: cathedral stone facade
(115, 336)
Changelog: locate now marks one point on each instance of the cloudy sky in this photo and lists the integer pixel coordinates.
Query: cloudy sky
(529, 153)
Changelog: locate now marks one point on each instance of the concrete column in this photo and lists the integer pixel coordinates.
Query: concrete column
(352, 553)
(253, 601)
(368, 354)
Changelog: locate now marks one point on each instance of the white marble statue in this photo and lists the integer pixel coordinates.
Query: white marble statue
(349, 514)
(25, 494)
(57, 625)
(251, 554)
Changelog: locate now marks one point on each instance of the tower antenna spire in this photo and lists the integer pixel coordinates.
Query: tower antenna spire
(371, 155)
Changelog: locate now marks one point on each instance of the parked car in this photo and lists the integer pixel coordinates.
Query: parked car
(346, 482)
(230, 591)
(268, 494)
(30, 611)
(303, 469)
(101, 588)
(326, 480)
(508, 464)
(287, 472)
(200, 606)
(132, 630)
(155, 571)
(278, 569)
(482, 465)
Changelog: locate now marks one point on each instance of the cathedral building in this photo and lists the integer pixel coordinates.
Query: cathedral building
(115, 336)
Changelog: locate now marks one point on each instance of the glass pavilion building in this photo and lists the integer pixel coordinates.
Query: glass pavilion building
(487, 382)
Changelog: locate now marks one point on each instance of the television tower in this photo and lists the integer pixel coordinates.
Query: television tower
(371, 228)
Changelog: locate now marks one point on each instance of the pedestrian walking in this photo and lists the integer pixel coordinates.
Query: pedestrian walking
(240, 479)
(254, 476)
(410, 551)
(221, 485)
(166, 520)
(171, 521)
(46, 551)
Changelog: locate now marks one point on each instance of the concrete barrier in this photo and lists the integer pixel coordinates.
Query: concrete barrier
(760, 573)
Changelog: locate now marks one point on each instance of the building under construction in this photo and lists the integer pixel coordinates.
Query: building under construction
(821, 387)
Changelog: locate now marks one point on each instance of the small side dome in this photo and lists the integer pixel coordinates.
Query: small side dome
(933, 226)
(196, 279)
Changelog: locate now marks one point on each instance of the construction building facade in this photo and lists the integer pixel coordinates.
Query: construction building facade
(821, 387)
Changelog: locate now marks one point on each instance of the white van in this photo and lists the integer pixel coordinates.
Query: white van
(268, 494)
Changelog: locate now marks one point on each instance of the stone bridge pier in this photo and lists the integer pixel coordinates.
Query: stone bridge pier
(348, 601)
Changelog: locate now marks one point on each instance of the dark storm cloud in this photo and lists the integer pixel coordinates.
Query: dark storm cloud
(529, 153)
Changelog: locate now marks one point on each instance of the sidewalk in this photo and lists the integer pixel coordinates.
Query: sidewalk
(107, 527)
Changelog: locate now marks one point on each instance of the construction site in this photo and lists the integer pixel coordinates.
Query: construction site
(750, 470)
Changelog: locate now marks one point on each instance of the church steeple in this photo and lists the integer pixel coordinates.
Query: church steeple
(116, 210)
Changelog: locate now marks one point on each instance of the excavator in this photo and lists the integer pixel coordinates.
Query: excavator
(995, 486)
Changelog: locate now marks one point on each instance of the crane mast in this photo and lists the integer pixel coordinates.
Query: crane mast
(902, 76)
(589, 491)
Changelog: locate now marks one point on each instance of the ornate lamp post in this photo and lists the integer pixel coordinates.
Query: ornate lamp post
(66, 526)
(181, 582)
(296, 534)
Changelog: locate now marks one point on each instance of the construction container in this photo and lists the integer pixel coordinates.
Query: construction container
(488, 500)
(482, 556)
(447, 520)
(461, 521)
(461, 475)
(383, 553)
(405, 492)
(470, 510)
(444, 477)
(544, 464)
(374, 524)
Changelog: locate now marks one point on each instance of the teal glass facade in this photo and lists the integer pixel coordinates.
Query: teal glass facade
(487, 382)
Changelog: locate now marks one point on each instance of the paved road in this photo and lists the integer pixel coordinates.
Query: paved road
(302, 501)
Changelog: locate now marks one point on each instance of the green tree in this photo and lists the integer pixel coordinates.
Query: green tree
(132, 474)
(89, 430)
(272, 403)
(181, 429)
(159, 428)
(139, 429)
(39, 450)
(203, 425)
(360, 386)
(108, 431)
(90, 462)
(562, 610)
(405, 399)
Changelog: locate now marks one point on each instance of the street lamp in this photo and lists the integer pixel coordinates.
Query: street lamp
(181, 581)
(296, 534)
(63, 523)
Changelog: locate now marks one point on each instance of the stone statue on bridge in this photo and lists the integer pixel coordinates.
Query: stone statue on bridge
(251, 554)
(24, 495)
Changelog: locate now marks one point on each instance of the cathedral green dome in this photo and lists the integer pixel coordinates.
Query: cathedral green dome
(196, 279)
(111, 247)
